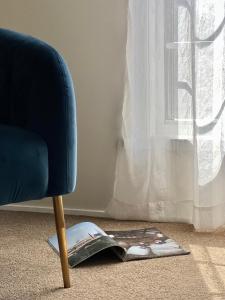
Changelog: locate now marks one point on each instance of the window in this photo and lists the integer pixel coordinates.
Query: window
(179, 67)
(194, 65)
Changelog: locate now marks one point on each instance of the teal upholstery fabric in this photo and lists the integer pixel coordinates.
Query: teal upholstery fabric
(37, 95)
(23, 165)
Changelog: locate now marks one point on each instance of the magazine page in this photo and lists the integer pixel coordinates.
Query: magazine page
(145, 243)
(83, 241)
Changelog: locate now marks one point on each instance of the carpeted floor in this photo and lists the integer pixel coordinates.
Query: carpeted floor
(29, 269)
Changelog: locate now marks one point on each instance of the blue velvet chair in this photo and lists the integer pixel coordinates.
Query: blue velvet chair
(37, 127)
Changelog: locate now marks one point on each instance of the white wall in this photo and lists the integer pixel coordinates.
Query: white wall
(91, 34)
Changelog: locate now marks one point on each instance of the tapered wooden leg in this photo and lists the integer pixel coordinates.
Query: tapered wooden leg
(61, 233)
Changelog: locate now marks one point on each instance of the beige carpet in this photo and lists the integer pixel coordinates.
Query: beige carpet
(29, 269)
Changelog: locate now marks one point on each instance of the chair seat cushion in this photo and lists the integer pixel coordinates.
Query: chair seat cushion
(23, 165)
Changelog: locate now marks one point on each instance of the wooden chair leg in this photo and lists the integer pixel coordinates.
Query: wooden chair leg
(61, 233)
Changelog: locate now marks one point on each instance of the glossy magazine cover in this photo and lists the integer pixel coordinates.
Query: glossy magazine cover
(86, 239)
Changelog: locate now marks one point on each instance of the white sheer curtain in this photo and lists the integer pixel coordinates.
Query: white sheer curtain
(170, 165)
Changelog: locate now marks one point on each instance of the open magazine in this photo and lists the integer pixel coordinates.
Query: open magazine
(86, 239)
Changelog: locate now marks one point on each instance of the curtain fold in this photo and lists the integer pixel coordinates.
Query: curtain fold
(170, 165)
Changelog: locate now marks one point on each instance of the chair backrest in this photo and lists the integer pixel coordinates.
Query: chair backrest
(36, 93)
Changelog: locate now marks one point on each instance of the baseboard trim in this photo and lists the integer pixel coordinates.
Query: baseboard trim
(49, 209)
